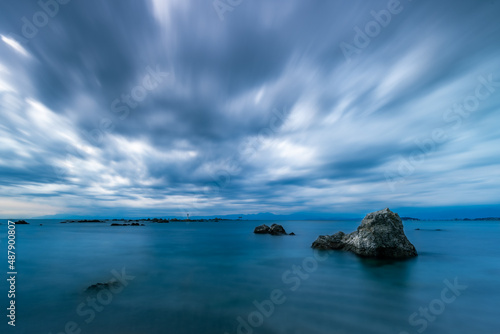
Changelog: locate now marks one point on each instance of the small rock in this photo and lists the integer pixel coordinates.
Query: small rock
(277, 230)
(329, 242)
(101, 286)
(262, 229)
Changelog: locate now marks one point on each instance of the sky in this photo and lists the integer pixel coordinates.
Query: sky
(235, 107)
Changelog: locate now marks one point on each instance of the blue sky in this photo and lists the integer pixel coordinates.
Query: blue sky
(323, 109)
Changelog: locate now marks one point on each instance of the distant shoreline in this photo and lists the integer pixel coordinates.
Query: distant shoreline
(207, 220)
(452, 219)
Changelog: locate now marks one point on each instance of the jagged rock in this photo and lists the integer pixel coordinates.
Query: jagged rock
(21, 222)
(380, 235)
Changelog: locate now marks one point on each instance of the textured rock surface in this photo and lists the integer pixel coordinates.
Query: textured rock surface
(380, 235)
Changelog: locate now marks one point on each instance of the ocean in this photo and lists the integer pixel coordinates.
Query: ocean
(220, 277)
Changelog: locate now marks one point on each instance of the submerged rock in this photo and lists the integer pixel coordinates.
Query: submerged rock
(426, 229)
(101, 286)
(380, 235)
(275, 229)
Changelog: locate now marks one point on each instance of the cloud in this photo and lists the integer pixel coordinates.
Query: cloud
(260, 112)
(14, 44)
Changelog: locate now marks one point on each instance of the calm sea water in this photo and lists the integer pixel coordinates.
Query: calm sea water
(219, 278)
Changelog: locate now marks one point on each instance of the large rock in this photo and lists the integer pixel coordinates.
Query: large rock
(380, 235)
(275, 229)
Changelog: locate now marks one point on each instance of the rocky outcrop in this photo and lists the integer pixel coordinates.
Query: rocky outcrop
(133, 224)
(21, 222)
(161, 220)
(275, 229)
(380, 235)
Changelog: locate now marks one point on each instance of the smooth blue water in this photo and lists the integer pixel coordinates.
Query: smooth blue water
(200, 277)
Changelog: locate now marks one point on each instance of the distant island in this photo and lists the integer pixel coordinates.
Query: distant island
(151, 220)
(21, 222)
